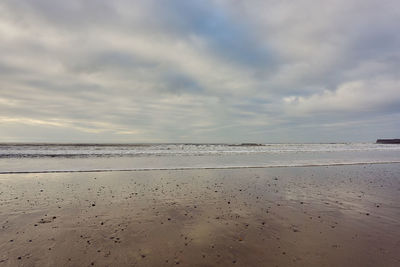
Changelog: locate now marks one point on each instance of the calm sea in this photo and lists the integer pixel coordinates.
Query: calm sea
(15, 158)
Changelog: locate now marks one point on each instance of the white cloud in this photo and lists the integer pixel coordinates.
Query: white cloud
(357, 96)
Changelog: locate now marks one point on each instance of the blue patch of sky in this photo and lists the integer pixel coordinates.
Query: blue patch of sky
(230, 39)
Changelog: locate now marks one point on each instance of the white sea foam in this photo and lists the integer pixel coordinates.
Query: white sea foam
(120, 150)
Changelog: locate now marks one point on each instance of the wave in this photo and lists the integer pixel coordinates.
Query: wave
(181, 150)
(162, 153)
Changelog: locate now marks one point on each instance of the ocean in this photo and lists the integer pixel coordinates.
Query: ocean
(37, 158)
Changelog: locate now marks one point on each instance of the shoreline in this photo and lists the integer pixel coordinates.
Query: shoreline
(200, 168)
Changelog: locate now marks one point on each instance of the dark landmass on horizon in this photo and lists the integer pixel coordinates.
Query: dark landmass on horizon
(388, 141)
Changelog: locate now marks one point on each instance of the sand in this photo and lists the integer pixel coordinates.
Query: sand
(300, 216)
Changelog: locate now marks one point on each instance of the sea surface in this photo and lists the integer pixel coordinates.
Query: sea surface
(26, 158)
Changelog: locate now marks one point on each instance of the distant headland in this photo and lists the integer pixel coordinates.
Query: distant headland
(388, 141)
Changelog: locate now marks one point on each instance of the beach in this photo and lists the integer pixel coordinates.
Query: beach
(278, 216)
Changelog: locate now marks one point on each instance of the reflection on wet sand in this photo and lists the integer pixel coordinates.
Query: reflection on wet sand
(305, 216)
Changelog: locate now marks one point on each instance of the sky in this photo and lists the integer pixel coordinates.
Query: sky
(199, 71)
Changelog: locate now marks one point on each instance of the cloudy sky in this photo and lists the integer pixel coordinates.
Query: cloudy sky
(199, 70)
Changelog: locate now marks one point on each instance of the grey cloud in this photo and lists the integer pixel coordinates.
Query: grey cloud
(215, 70)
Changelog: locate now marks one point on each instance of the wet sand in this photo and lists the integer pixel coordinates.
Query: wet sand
(300, 216)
